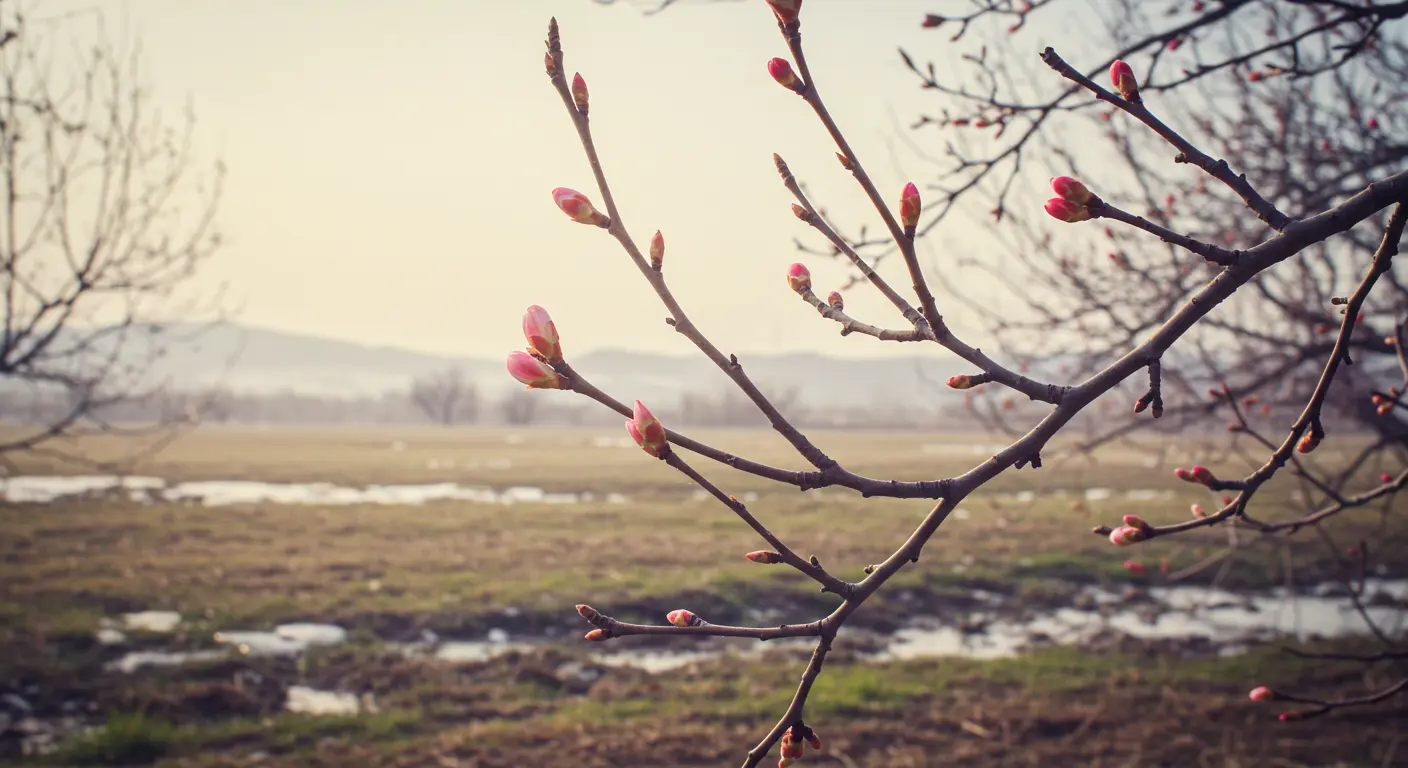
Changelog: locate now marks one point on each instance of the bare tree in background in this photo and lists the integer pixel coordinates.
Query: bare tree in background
(446, 397)
(1276, 235)
(519, 408)
(104, 219)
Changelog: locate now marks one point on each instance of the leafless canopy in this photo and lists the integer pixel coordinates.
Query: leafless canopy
(1285, 235)
(103, 220)
(446, 397)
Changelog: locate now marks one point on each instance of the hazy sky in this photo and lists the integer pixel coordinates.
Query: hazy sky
(390, 164)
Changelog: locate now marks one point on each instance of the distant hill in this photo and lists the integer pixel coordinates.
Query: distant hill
(257, 360)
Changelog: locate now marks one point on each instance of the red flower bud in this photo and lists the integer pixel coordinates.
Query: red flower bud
(1065, 210)
(532, 372)
(785, 10)
(1135, 567)
(657, 251)
(541, 334)
(835, 301)
(647, 431)
(931, 21)
(1123, 78)
(960, 382)
(1262, 693)
(1386, 478)
(579, 93)
(909, 206)
(1135, 521)
(597, 635)
(578, 207)
(781, 71)
(1308, 442)
(765, 557)
(1198, 474)
(1125, 535)
(683, 618)
(1071, 190)
(798, 278)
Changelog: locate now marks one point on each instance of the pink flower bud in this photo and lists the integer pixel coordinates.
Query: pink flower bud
(579, 93)
(1065, 210)
(578, 207)
(1123, 78)
(798, 278)
(1198, 511)
(532, 372)
(1198, 474)
(541, 334)
(834, 299)
(1135, 567)
(785, 10)
(792, 746)
(1070, 190)
(1135, 521)
(1262, 693)
(597, 635)
(781, 71)
(765, 557)
(647, 431)
(931, 21)
(1386, 478)
(683, 618)
(960, 382)
(910, 206)
(657, 251)
(1125, 535)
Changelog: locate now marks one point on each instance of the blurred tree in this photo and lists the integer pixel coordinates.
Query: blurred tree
(101, 221)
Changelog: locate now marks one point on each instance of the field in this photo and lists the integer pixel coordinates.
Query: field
(642, 544)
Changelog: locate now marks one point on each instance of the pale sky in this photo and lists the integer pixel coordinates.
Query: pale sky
(390, 164)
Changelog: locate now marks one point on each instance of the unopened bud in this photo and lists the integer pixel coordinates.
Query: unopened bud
(1198, 511)
(1135, 521)
(1070, 190)
(765, 557)
(835, 301)
(785, 10)
(1065, 210)
(579, 93)
(781, 71)
(589, 613)
(1198, 474)
(683, 618)
(1262, 693)
(845, 162)
(647, 431)
(657, 251)
(578, 207)
(1135, 567)
(1122, 76)
(960, 382)
(597, 635)
(532, 372)
(1125, 535)
(799, 278)
(1309, 442)
(910, 207)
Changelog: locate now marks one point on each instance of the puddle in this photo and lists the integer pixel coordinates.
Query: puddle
(136, 660)
(310, 701)
(285, 640)
(1232, 622)
(1176, 613)
(218, 493)
(151, 621)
